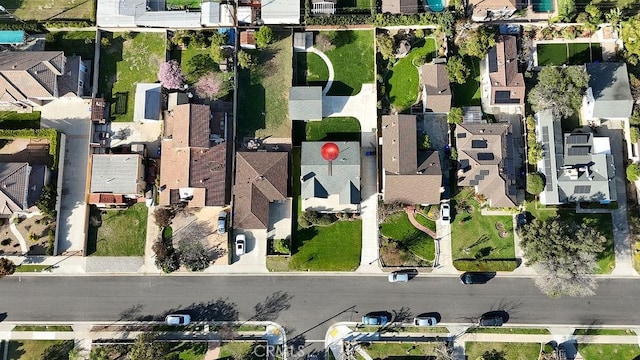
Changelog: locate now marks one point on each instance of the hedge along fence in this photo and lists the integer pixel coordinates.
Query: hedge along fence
(445, 20)
(51, 134)
(486, 264)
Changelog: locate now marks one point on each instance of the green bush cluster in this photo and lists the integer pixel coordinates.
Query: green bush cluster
(29, 26)
(445, 20)
(313, 218)
(67, 24)
(534, 152)
(51, 242)
(50, 134)
(485, 264)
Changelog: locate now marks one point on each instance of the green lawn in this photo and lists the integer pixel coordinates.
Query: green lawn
(604, 332)
(263, 93)
(80, 43)
(310, 69)
(32, 268)
(403, 81)
(398, 351)
(328, 248)
(122, 233)
(352, 62)
(33, 349)
(191, 4)
(124, 63)
(609, 351)
(12, 120)
(468, 94)
(333, 128)
(42, 328)
(50, 9)
(359, 4)
(479, 231)
(568, 53)
(511, 351)
(189, 350)
(505, 330)
(424, 221)
(399, 228)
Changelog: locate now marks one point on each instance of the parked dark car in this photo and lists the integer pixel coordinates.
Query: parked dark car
(561, 353)
(491, 321)
(470, 278)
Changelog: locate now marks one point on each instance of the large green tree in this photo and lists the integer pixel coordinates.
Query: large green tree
(631, 39)
(146, 347)
(457, 69)
(564, 254)
(264, 36)
(385, 45)
(560, 89)
(479, 41)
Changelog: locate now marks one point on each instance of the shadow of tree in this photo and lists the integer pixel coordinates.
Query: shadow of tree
(270, 308)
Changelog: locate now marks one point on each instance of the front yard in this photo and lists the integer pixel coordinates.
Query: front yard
(121, 233)
(511, 351)
(263, 92)
(51, 9)
(609, 351)
(37, 349)
(399, 350)
(328, 248)
(403, 244)
(403, 82)
(125, 60)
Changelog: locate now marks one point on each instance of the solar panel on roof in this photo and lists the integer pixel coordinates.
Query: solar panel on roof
(473, 182)
(579, 150)
(545, 134)
(574, 139)
(582, 189)
(484, 172)
(479, 144)
(486, 156)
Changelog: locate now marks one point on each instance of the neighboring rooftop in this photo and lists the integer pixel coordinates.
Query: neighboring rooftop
(400, 6)
(507, 84)
(273, 12)
(609, 84)
(20, 186)
(117, 174)
(305, 103)
(148, 102)
(437, 89)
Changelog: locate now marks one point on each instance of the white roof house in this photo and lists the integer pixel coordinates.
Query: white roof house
(216, 14)
(147, 105)
(280, 12)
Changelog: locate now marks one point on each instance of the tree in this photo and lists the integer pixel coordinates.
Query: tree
(570, 81)
(479, 41)
(245, 60)
(563, 252)
(595, 14)
(631, 39)
(7, 267)
(99, 353)
(199, 65)
(566, 9)
(170, 75)
(217, 51)
(385, 45)
(47, 201)
(633, 172)
(212, 86)
(264, 36)
(613, 17)
(457, 69)
(424, 142)
(59, 351)
(535, 183)
(193, 255)
(455, 116)
(454, 154)
(163, 216)
(146, 347)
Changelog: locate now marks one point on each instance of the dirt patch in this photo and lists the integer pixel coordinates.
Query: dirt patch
(9, 244)
(35, 230)
(200, 224)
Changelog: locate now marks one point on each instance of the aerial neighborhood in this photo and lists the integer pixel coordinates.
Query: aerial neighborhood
(415, 140)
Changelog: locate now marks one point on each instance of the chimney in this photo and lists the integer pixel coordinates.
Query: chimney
(329, 169)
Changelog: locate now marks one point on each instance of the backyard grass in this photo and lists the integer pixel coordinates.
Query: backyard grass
(124, 63)
(122, 233)
(50, 9)
(609, 351)
(504, 330)
(397, 351)
(478, 237)
(352, 61)
(468, 93)
(399, 228)
(183, 57)
(333, 128)
(328, 248)
(511, 351)
(310, 69)
(568, 53)
(12, 120)
(31, 349)
(80, 43)
(263, 92)
(604, 332)
(403, 81)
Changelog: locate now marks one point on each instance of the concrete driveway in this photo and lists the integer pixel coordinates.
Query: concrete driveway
(72, 117)
(254, 259)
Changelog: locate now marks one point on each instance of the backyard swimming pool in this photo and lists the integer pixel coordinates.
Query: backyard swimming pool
(542, 6)
(435, 5)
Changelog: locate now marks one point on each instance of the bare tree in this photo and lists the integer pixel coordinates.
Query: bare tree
(567, 276)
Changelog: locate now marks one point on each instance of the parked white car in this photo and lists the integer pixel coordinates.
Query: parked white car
(445, 214)
(178, 319)
(241, 241)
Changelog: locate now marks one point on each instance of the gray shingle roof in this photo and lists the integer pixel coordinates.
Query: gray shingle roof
(20, 186)
(611, 91)
(116, 173)
(305, 103)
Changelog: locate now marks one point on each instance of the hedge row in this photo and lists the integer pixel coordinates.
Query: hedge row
(486, 264)
(50, 134)
(445, 20)
(29, 26)
(68, 24)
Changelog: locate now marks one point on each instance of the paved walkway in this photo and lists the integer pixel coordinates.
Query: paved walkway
(411, 213)
(213, 352)
(326, 60)
(14, 230)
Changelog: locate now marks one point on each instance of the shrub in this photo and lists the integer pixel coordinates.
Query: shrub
(51, 242)
(633, 172)
(455, 116)
(264, 36)
(163, 216)
(535, 183)
(5, 242)
(47, 201)
(485, 264)
(245, 60)
(323, 42)
(303, 222)
(634, 134)
(170, 75)
(32, 237)
(168, 264)
(193, 255)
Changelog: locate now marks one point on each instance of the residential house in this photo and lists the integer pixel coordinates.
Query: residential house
(506, 84)
(30, 78)
(436, 89)
(116, 179)
(305, 103)
(488, 10)
(330, 185)
(148, 102)
(608, 96)
(275, 12)
(400, 6)
(486, 161)
(578, 167)
(193, 162)
(323, 7)
(261, 192)
(409, 175)
(20, 187)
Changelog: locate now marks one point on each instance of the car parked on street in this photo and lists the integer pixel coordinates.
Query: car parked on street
(398, 276)
(177, 319)
(491, 321)
(375, 319)
(241, 241)
(445, 214)
(222, 222)
(472, 278)
(561, 352)
(425, 321)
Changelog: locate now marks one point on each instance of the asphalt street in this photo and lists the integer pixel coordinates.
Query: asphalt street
(306, 305)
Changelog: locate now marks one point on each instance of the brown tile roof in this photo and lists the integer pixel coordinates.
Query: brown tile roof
(189, 161)
(261, 178)
(507, 84)
(400, 6)
(436, 82)
(103, 198)
(411, 176)
(484, 159)
(34, 73)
